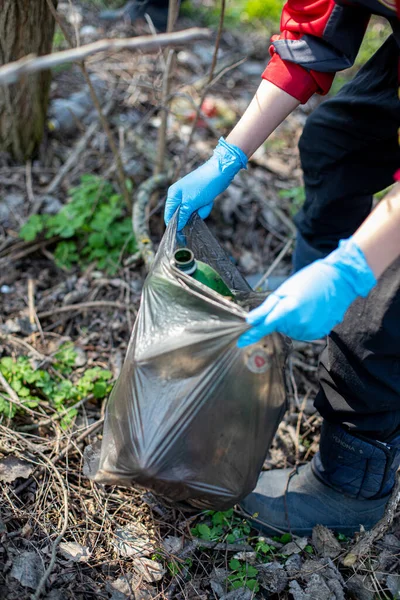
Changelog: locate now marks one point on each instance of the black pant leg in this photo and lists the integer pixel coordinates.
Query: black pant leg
(359, 369)
(349, 151)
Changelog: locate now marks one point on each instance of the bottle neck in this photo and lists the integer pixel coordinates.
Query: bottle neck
(184, 261)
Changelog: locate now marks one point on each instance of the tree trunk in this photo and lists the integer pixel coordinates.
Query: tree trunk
(26, 26)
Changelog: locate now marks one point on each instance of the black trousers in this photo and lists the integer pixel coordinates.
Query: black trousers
(349, 151)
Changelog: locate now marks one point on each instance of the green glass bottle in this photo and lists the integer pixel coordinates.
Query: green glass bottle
(185, 261)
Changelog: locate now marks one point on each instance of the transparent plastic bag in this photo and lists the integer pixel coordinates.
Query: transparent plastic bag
(191, 416)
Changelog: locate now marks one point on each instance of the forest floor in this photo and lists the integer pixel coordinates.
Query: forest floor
(68, 301)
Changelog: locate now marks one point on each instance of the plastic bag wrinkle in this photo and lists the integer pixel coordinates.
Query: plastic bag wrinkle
(191, 416)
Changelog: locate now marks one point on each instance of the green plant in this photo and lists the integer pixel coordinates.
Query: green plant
(59, 41)
(92, 226)
(223, 527)
(243, 575)
(253, 14)
(48, 387)
(296, 196)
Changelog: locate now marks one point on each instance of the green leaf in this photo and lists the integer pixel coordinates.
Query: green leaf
(252, 585)
(234, 564)
(68, 418)
(100, 389)
(96, 240)
(66, 255)
(204, 531)
(6, 365)
(31, 229)
(251, 571)
(285, 538)
(309, 549)
(218, 518)
(104, 374)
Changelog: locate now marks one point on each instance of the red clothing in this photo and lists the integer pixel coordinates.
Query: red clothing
(318, 38)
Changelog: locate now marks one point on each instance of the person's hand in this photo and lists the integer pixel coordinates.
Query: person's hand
(197, 190)
(314, 300)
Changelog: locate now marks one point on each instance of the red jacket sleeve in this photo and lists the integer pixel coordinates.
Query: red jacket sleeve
(318, 38)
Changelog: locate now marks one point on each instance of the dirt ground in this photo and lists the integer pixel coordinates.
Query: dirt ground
(115, 543)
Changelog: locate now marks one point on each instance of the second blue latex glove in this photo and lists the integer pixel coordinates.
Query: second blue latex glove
(197, 190)
(314, 300)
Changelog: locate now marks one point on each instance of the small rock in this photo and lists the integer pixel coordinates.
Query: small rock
(91, 460)
(325, 542)
(51, 205)
(74, 551)
(14, 200)
(272, 577)
(150, 570)
(10, 205)
(294, 547)
(247, 262)
(6, 289)
(11, 468)
(10, 326)
(81, 358)
(27, 569)
(88, 31)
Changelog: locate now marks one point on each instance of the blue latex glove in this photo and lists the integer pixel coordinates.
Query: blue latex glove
(312, 302)
(197, 190)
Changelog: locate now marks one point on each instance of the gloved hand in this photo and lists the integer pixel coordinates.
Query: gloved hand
(314, 300)
(198, 189)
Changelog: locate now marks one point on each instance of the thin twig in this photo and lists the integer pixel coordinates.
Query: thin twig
(27, 248)
(363, 546)
(7, 337)
(29, 188)
(61, 454)
(33, 448)
(11, 72)
(275, 263)
(56, 417)
(82, 306)
(31, 301)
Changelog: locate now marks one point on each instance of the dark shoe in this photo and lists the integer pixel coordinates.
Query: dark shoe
(347, 484)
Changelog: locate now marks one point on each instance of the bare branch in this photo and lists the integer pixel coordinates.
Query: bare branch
(147, 43)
